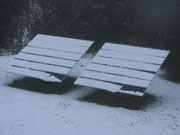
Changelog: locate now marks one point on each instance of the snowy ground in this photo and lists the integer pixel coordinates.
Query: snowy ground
(30, 113)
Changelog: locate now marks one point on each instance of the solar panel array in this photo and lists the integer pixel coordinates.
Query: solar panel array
(49, 58)
(122, 68)
(115, 68)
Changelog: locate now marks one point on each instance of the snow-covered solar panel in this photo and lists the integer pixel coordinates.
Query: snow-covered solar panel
(122, 68)
(49, 58)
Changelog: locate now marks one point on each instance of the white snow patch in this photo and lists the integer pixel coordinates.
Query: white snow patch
(7, 77)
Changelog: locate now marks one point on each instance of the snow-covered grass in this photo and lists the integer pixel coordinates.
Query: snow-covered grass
(25, 113)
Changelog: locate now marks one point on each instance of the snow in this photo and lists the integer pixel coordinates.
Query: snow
(98, 84)
(45, 60)
(120, 71)
(63, 40)
(126, 64)
(135, 49)
(115, 78)
(41, 67)
(31, 73)
(131, 57)
(58, 47)
(51, 53)
(25, 113)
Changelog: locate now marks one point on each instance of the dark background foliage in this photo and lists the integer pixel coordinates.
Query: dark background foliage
(149, 23)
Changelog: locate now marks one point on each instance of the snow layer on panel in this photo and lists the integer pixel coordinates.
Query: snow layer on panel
(115, 78)
(57, 39)
(134, 49)
(137, 93)
(130, 56)
(51, 53)
(120, 71)
(32, 73)
(98, 84)
(46, 60)
(39, 66)
(58, 46)
(127, 92)
(126, 64)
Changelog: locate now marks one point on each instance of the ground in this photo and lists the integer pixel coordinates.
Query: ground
(25, 112)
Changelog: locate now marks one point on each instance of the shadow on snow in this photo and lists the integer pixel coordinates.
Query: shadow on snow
(99, 97)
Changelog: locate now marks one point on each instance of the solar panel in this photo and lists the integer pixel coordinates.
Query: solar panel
(49, 58)
(122, 68)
